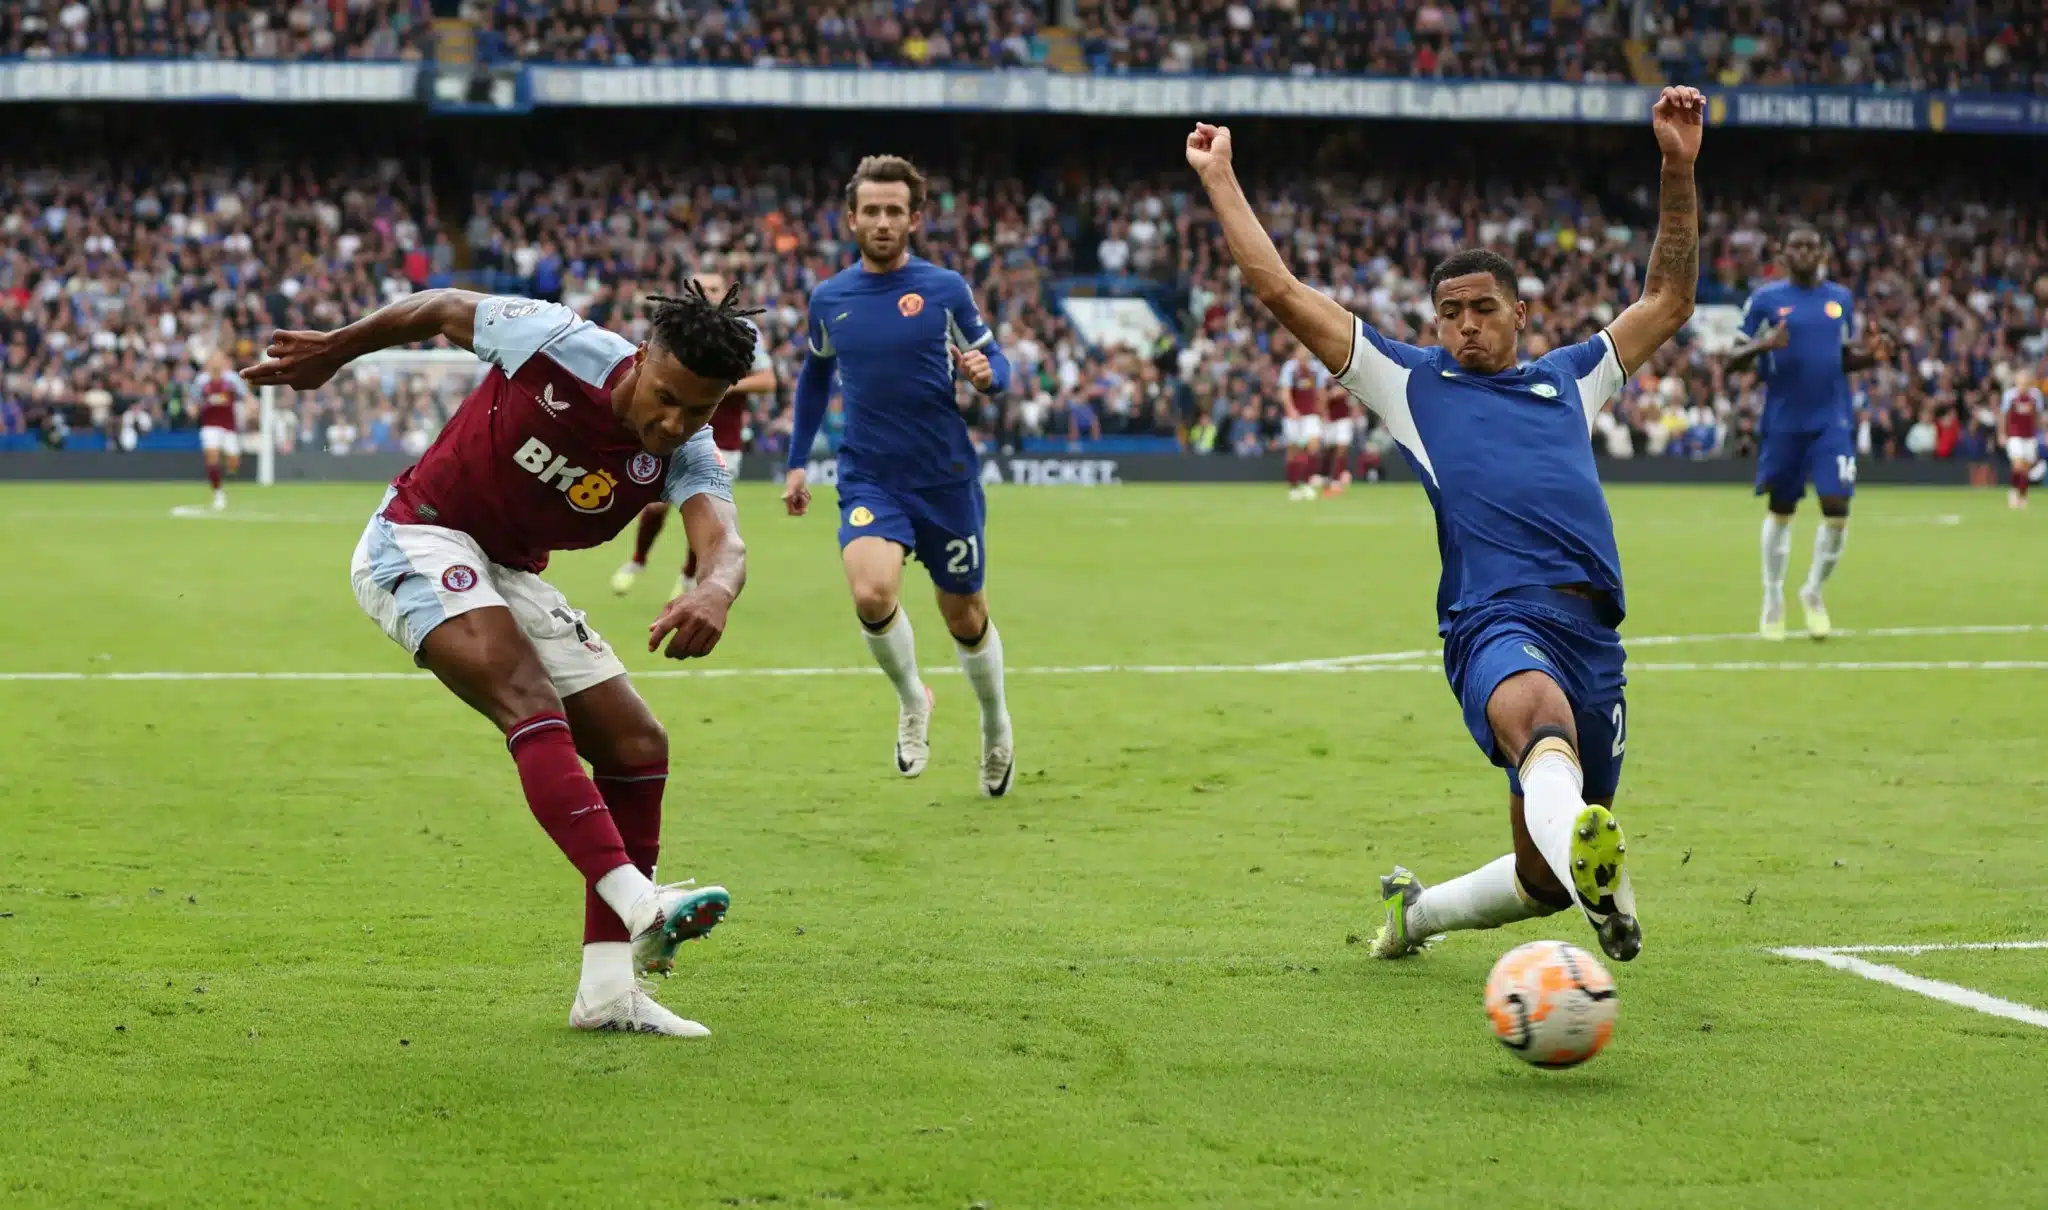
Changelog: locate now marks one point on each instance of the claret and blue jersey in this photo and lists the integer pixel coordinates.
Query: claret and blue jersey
(908, 469)
(1809, 422)
(1531, 576)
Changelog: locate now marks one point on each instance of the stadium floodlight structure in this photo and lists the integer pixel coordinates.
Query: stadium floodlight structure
(403, 380)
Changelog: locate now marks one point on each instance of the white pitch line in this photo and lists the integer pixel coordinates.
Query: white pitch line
(663, 674)
(1936, 947)
(1948, 993)
(1417, 660)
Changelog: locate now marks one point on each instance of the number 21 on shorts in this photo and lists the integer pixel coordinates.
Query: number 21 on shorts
(962, 556)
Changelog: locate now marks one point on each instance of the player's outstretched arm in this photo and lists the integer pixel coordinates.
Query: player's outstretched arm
(694, 622)
(1674, 275)
(1317, 320)
(306, 360)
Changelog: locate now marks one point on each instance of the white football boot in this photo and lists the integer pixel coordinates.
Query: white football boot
(998, 763)
(634, 1012)
(625, 577)
(913, 737)
(670, 915)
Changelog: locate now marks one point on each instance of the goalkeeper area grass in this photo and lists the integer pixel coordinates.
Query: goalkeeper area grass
(275, 937)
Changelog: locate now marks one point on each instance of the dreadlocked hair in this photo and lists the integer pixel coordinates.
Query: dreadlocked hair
(710, 339)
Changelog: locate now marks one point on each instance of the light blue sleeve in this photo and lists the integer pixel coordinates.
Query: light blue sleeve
(697, 470)
(762, 361)
(510, 330)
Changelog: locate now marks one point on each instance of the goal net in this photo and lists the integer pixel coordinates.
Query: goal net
(394, 401)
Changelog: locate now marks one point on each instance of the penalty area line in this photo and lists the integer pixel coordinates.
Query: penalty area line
(1843, 958)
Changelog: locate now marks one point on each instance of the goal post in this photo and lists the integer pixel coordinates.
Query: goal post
(383, 397)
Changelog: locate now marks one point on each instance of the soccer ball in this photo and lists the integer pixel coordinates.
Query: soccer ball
(1551, 1003)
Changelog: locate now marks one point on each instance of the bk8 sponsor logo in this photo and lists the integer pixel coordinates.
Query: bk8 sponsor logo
(587, 491)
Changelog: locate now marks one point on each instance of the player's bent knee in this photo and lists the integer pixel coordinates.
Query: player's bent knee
(873, 600)
(966, 616)
(1783, 507)
(1834, 507)
(644, 745)
(1524, 702)
(484, 659)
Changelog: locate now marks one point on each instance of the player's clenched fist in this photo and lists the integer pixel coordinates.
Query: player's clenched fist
(1679, 118)
(796, 493)
(301, 360)
(974, 364)
(1208, 147)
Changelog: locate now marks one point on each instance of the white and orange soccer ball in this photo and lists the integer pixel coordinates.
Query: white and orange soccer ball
(1551, 1003)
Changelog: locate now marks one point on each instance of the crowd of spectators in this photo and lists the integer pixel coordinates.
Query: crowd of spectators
(206, 29)
(116, 283)
(1960, 45)
(1950, 45)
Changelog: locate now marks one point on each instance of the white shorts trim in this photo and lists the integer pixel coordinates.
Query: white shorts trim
(2022, 451)
(214, 439)
(1338, 432)
(412, 578)
(1302, 430)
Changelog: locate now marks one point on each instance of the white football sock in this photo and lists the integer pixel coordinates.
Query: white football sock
(1777, 545)
(607, 972)
(1828, 542)
(1487, 898)
(895, 649)
(1551, 784)
(628, 893)
(983, 665)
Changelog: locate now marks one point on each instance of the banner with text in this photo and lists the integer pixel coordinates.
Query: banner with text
(1033, 91)
(1020, 91)
(207, 80)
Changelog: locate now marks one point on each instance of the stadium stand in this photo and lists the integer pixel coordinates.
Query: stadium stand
(116, 273)
(180, 29)
(1994, 45)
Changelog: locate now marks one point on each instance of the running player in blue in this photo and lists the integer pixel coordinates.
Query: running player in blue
(1800, 335)
(900, 329)
(1531, 593)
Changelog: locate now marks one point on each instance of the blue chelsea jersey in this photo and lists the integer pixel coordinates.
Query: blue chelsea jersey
(1805, 390)
(891, 336)
(1507, 461)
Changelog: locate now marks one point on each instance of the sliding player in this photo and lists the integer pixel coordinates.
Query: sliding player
(571, 432)
(1531, 590)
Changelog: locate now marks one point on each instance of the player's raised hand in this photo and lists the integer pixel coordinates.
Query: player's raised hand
(1679, 118)
(974, 364)
(1777, 336)
(692, 623)
(301, 360)
(796, 493)
(1878, 344)
(1208, 147)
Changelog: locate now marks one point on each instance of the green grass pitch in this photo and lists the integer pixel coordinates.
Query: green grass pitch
(298, 942)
